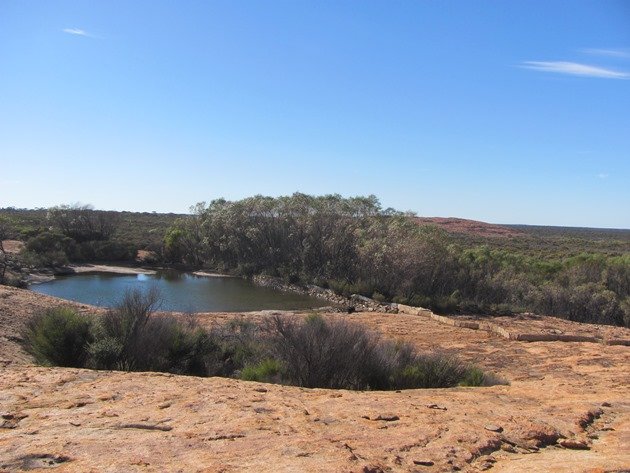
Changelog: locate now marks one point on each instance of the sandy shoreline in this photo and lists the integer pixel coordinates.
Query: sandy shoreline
(35, 278)
(106, 268)
(38, 278)
(212, 275)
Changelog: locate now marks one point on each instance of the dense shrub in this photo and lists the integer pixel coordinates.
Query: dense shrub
(143, 230)
(49, 249)
(589, 303)
(104, 251)
(429, 371)
(354, 246)
(311, 353)
(240, 343)
(126, 322)
(50, 241)
(127, 337)
(130, 337)
(167, 344)
(318, 353)
(340, 355)
(625, 307)
(59, 337)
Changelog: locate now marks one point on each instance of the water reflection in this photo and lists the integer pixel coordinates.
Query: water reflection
(172, 275)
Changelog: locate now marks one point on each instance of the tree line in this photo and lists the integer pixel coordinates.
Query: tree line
(353, 245)
(77, 233)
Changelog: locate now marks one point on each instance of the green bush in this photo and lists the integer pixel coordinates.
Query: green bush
(59, 337)
(49, 249)
(346, 288)
(191, 350)
(105, 353)
(475, 377)
(429, 371)
(266, 371)
(241, 343)
(420, 301)
(129, 337)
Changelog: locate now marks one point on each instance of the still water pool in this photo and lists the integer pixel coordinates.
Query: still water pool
(179, 291)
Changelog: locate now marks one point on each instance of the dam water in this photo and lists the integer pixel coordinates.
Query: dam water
(179, 291)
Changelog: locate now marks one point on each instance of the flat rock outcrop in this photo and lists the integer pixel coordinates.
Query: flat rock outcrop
(566, 410)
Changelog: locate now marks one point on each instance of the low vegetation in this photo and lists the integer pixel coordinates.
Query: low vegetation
(311, 352)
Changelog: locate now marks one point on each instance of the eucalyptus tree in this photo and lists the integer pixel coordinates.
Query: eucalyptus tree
(83, 223)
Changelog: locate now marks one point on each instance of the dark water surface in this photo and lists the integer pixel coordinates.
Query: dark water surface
(180, 291)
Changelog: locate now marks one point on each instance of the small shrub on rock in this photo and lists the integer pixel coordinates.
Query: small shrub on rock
(322, 354)
(429, 371)
(127, 320)
(475, 377)
(191, 350)
(130, 337)
(59, 337)
(267, 371)
(340, 355)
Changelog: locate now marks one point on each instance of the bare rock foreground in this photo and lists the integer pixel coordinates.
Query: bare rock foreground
(566, 410)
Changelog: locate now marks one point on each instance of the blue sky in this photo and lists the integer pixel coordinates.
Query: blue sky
(506, 112)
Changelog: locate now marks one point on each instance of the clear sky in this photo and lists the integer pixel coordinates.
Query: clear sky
(501, 111)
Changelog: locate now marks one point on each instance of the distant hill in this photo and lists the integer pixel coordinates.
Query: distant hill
(593, 234)
(470, 227)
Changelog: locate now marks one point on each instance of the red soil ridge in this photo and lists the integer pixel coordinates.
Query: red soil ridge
(469, 227)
